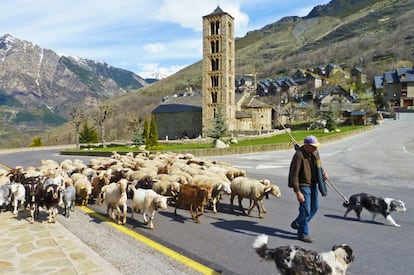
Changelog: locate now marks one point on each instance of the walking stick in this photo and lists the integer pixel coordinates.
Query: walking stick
(296, 144)
(292, 139)
(337, 190)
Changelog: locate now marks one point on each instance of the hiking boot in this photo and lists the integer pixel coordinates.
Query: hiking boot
(305, 239)
(295, 225)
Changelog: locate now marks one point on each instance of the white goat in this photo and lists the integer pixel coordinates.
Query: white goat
(18, 193)
(147, 201)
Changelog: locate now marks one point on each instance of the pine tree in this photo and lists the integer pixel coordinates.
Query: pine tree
(138, 137)
(136, 125)
(153, 134)
(330, 121)
(220, 125)
(146, 134)
(88, 134)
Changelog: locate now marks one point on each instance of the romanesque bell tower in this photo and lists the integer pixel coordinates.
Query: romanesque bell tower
(218, 84)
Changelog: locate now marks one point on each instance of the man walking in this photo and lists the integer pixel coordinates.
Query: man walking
(304, 178)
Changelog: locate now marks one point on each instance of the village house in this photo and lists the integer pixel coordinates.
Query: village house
(396, 88)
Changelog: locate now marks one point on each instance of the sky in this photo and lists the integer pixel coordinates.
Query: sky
(148, 37)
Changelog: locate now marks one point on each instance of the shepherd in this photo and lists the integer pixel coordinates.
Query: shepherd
(307, 178)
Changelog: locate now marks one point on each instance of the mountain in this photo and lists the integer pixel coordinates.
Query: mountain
(38, 87)
(375, 35)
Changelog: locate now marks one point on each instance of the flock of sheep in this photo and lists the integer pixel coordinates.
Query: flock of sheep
(150, 181)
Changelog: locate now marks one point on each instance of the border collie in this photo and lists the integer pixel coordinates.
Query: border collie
(297, 260)
(375, 205)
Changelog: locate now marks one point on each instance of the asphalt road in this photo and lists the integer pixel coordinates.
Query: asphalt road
(379, 162)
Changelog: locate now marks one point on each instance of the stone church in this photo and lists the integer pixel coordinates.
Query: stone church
(192, 115)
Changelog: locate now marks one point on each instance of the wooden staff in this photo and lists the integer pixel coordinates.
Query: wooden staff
(337, 190)
(292, 139)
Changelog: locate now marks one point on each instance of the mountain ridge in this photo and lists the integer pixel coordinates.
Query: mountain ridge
(373, 35)
(39, 88)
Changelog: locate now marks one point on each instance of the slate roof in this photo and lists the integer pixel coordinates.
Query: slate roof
(180, 104)
(408, 72)
(378, 81)
(255, 103)
(241, 114)
(390, 77)
(176, 108)
(218, 11)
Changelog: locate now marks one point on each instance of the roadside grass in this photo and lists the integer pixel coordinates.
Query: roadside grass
(298, 135)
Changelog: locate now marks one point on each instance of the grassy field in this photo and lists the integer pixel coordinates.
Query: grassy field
(283, 138)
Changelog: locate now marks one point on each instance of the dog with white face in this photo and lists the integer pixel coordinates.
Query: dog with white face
(375, 205)
(297, 260)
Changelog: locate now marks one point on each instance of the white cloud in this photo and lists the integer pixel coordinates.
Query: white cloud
(154, 48)
(130, 33)
(188, 13)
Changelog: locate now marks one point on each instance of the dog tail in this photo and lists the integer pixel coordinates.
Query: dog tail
(260, 245)
(346, 203)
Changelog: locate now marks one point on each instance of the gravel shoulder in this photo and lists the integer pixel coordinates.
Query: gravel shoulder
(125, 253)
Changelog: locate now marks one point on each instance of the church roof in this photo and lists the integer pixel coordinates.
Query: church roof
(176, 108)
(218, 11)
(255, 103)
(241, 114)
(189, 103)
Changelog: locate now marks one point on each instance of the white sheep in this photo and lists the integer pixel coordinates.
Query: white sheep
(166, 187)
(147, 201)
(83, 189)
(5, 195)
(4, 178)
(275, 192)
(115, 196)
(252, 189)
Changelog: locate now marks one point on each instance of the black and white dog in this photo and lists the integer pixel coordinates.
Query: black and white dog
(375, 205)
(297, 260)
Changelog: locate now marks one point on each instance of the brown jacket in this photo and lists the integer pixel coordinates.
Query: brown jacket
(303, 169)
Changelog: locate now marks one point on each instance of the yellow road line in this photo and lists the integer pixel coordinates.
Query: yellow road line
(163, 249)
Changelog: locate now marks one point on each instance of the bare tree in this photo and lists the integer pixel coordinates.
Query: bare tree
(104, 112)
(77, 116)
